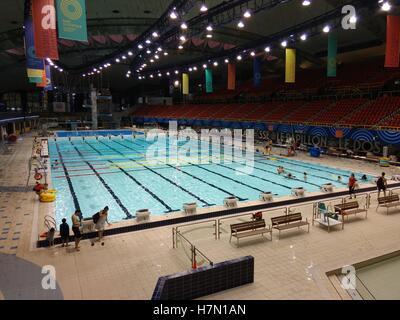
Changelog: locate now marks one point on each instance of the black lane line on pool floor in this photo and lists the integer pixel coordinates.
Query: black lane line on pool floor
(274, 173)
(160, 175)
(234, 180)
(117, 200)
(197, 178)
(210, 184)
(71, 187)
(169, 209)
(265, 163)
(304, 166)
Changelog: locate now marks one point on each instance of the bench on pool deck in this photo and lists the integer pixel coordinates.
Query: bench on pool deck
(349, 208)
(389, 202)
(290, 221)
(248, 229)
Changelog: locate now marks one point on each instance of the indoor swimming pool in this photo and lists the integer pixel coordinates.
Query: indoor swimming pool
(91, 173)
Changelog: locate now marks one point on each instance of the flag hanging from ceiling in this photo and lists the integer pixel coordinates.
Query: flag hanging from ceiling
(290, 66)
(209, 81)
(44, 26)
(34, 65)
(185, 83)
(46, 82)
(257, 71)
(71, 19)
(392, 59)
(231, 76)
(332, 53)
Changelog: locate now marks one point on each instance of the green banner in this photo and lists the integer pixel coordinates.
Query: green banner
(209, 81)
(71, 19)
(332, 53)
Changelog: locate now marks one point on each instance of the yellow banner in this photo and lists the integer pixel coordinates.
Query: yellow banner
(35, 73)
(185, 83)
(290, 66)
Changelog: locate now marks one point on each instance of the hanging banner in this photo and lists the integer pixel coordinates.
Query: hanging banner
(332, 53)
(290, 66)
(71, 20)
(185, 83)
(34, 65)
(43, 83)
(46, 83)
(209, 81)
(392, 59)
(231, 76)
(257, 71)
(44, 26)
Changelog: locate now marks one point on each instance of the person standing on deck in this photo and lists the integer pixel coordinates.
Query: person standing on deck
(352, 185)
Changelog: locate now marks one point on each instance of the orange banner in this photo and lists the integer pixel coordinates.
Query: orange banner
(231, 76)
(392, 59)
(44, 26)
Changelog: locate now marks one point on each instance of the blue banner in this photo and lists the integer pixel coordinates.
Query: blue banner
(257, 71)
(49, 83)
(34, 65)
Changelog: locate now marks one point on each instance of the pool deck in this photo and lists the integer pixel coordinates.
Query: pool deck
(129, 264)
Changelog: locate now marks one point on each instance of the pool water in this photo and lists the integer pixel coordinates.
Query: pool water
(112, 171)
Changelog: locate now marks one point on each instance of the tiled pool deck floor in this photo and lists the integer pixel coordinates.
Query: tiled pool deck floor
(128, 265)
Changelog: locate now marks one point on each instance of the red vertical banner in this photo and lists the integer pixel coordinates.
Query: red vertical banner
(44, 25)
(231, 76)
(392, 59)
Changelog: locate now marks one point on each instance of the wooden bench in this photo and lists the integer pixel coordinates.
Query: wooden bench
(350, 208)
(248, 229)
(389, 202)
(290, 221)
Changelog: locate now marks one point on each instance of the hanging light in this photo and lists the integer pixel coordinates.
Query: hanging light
(182, 38)
(284, 43)
(155, 34)
(326, 29)
(173, 15)
(180, 47)
(247, 14)
(209, 28)
(267, 49)
(184, 26)
(306, 3)
(386, 6)
(239, 57)
(203, 8)
(226, 60)
(204, 66)
(140, 46)
(215, 64)
(303, 37)
(240, 24)
(130, 53)
(148, 41)
(209, 36)
(252, 53)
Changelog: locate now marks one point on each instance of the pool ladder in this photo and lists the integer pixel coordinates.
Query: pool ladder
(50, 222)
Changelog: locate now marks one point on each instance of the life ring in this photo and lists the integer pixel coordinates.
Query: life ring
(47, 196)
(38, 176)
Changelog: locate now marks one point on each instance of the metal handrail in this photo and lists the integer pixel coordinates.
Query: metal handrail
(194, 251)
(201, 222)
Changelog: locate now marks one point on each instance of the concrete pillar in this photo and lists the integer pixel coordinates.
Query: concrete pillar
(93, 97)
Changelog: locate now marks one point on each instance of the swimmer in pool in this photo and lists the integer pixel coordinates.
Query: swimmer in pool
(280, 170)
(339, 179)
(290, 176)
(305, 176)
(364, 178)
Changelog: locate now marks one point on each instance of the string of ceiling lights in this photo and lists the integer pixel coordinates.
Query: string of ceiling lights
(174, 15)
